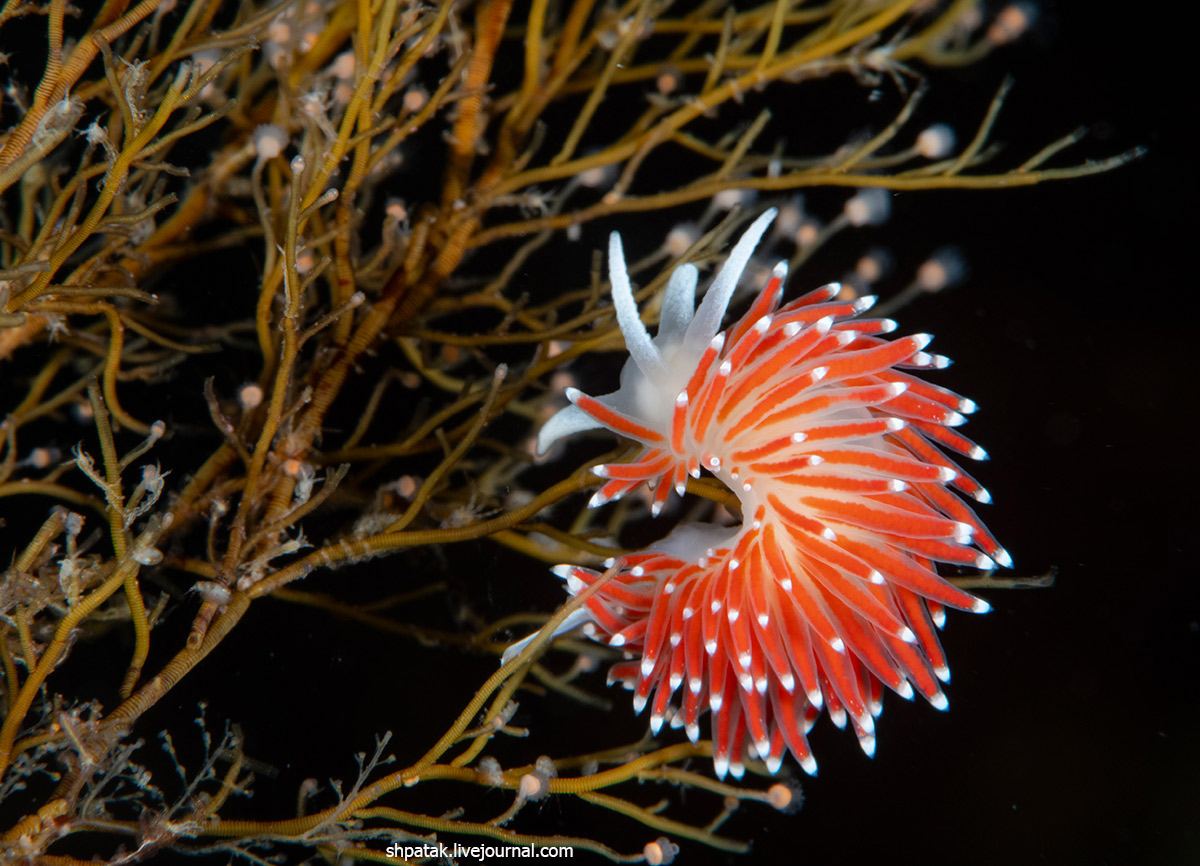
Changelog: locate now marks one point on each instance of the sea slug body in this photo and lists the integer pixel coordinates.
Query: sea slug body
(828, 590)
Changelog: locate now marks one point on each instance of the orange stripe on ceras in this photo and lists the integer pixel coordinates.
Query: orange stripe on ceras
(616, 421)
(762, 451)
(767, 368)
(901, 569)
(863, 362)
(794, 518)
(679, 422)
(807, 603)
(865, 396)
(639, 470)
(772, 399)
(866, 514)
(894, 466)
(708, 403)
(853, 430)
(766, 302)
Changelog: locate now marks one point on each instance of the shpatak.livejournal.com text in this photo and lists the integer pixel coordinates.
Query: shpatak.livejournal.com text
(457, 850)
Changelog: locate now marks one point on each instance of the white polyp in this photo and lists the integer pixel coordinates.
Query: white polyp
(1002, 558)
(737, 769)
(774, 763)
(720, 765)
(815, 459)
(945, 473)
(895, 389)
(733, 565)
(939, 618)
(600, 471)
(980, 606)
(939, 701)
(823, 324)
(818, 373)
(906, 635)
(964, 529)
(681, 400)
(715, 607)
(967, 406)
(838, 717)
(977, 453)
(715, 701)
(905, 690)
(746, 681)
(760, 685)
(984, 562)
(617, 640)
(896, 485)
(565, 571)
(725, 369)
(692, 731)
(839, 645)
(763, 620)
(788, 682)
(935, 142)
(655, 723)
(647, 666)
(868, 745)
(674, 681)
(942, 673)
(791, 329)
(733, 615)
(608, 563)
(797, 438)
(869, 206)
(828, 534)
(922, 340)
(886, 326)
(954, 419)
(688, 613)
(816, 698)
(668, 588)
(695, 684)
(744, 660)
(710, 647)
(639, 703)
(675, 639)
(876, 578)
(875, 708)
(637, 571)
(982, 495)
(786, 584)
(574, 584)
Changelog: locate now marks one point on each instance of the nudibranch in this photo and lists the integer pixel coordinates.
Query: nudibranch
(837, 452)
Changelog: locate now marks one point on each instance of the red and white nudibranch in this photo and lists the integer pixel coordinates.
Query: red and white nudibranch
(828, 590)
